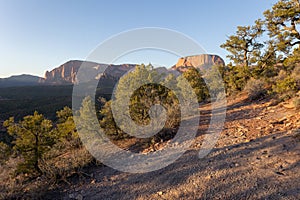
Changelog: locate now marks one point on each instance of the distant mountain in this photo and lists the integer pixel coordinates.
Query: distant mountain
(19, 80)
(66, 73)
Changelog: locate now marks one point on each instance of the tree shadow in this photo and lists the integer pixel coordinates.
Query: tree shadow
(242, 171)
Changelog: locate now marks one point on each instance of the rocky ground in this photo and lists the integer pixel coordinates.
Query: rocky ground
(256, 157)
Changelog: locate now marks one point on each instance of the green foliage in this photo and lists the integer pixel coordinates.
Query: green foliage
(66, 128)
(286, 85)
(243, 47)
(296, 75)
(215, 80)
(251, 60)
(194, 77)
(87, 123)
(140, 100)
(5, 152)
(108, 123)
(293, 60)
(34, 136)
(265, 67)
(236, 78)
(282, 21)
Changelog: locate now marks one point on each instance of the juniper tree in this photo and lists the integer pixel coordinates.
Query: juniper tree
(283, 23)
(34, 136)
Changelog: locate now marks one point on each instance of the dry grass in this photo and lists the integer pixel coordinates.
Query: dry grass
(56, 169)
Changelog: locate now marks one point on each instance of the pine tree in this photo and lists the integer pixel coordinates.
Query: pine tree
(283, 22)
(244, 46)
(66, 127)
(194, 78)
(34, 136)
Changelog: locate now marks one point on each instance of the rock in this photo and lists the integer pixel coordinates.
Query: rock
(160, 193)
(67, 72)
(203, 61)
(288, 124)
(280, 121)
(71, 196)
(289, 105)
(79, 197)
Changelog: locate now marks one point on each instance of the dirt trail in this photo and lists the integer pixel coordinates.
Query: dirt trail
(257, 157)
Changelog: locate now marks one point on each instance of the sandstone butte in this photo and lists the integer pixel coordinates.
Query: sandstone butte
(66, 73)
(202, 61)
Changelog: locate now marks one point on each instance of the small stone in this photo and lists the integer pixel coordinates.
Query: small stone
(79, 197)
(264, 152)
(160, 193)
(288, 124)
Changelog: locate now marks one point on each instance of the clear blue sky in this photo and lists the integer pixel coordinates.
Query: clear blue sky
(39, 35)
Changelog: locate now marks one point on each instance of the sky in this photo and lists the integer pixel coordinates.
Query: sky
(39, 35)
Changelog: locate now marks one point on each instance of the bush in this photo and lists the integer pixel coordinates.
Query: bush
(296, 76)
(255, 88)
(66, 164)
(5, 152)
(285, 86)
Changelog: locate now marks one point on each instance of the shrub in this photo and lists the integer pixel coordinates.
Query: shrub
(5, 152)
(66, 164)
(296, 76)
(255, 88)
(286, 85)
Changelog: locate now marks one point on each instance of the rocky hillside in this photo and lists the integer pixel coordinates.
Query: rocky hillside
(202, 61)
(257, 156)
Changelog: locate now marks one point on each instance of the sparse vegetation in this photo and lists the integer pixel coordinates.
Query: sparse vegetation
(264, 61)
(277, 63)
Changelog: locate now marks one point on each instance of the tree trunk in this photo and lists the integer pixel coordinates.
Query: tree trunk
(246, 59)
(36, 154)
